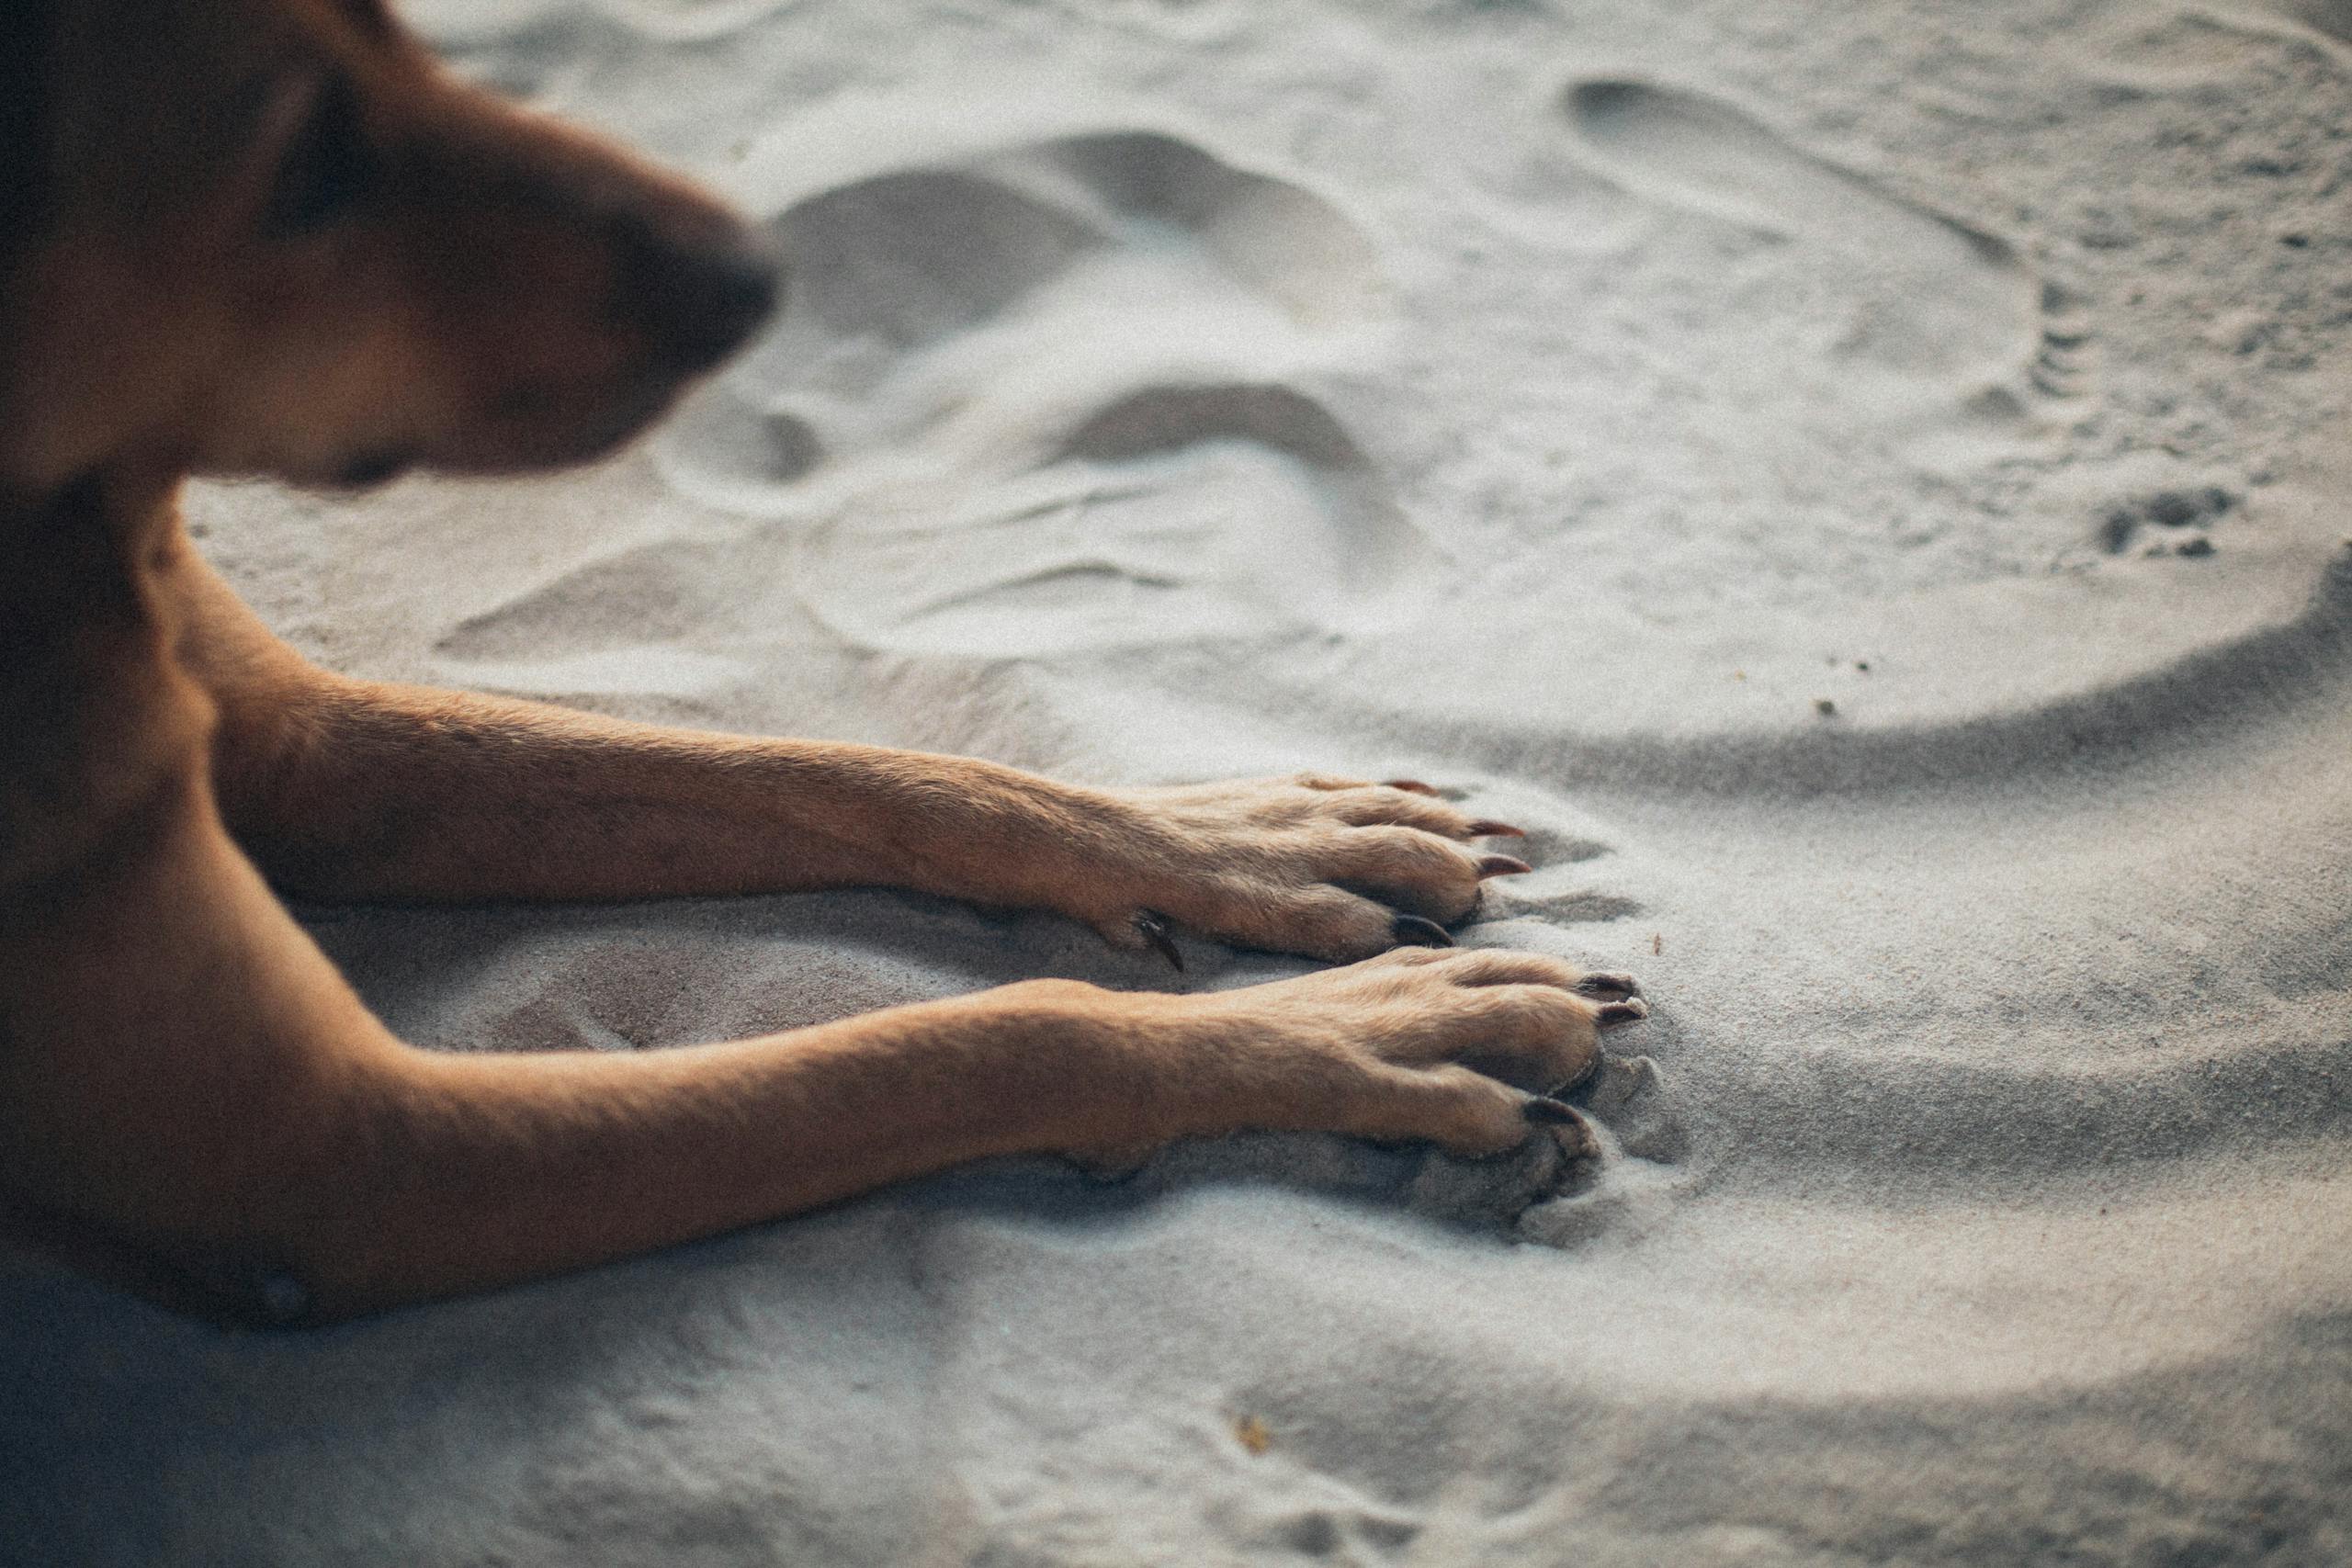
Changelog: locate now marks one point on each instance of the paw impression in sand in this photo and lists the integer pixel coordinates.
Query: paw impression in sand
(1050, 398)
(1904, 295)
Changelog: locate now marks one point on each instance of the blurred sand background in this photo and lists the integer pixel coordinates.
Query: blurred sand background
(1865, 484)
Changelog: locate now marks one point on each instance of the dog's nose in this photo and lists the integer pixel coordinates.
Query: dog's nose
(701, 303)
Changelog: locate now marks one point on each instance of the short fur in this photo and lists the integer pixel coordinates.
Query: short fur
(273, 237)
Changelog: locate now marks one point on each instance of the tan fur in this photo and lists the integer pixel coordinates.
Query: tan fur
(192, 1102)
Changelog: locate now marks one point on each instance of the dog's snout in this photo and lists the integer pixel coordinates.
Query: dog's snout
(701, 303)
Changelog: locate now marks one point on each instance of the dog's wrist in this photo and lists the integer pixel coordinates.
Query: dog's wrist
(1178, 1064)
(1024, 841)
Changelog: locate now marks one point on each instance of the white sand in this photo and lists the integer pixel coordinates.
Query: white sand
(1560, 401)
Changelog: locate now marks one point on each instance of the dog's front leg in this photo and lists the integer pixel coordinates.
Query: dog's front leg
(343, 788)
(192, 1096)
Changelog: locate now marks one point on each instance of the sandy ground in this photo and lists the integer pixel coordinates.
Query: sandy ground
(1864, 483)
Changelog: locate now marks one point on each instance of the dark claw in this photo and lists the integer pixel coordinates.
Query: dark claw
(1154, 929)
(1411, 787)
(1503, 865)
(1414, 931)
(1487, 829)
(1609, 987)
(1630, 1011)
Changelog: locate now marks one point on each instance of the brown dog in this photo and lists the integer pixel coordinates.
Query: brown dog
(270, 237)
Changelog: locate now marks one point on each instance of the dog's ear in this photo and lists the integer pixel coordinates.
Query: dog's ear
(28, 35)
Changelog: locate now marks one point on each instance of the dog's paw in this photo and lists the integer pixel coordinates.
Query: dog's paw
(1469, 1049)
(1336, 869)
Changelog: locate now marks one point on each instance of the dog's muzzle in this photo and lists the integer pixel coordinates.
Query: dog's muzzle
(699, 303)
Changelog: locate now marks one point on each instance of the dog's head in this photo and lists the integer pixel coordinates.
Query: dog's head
(273, 236)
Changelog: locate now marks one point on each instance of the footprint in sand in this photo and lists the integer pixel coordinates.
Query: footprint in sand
(1049, 398)
(1175, 512)
(1913, 296)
